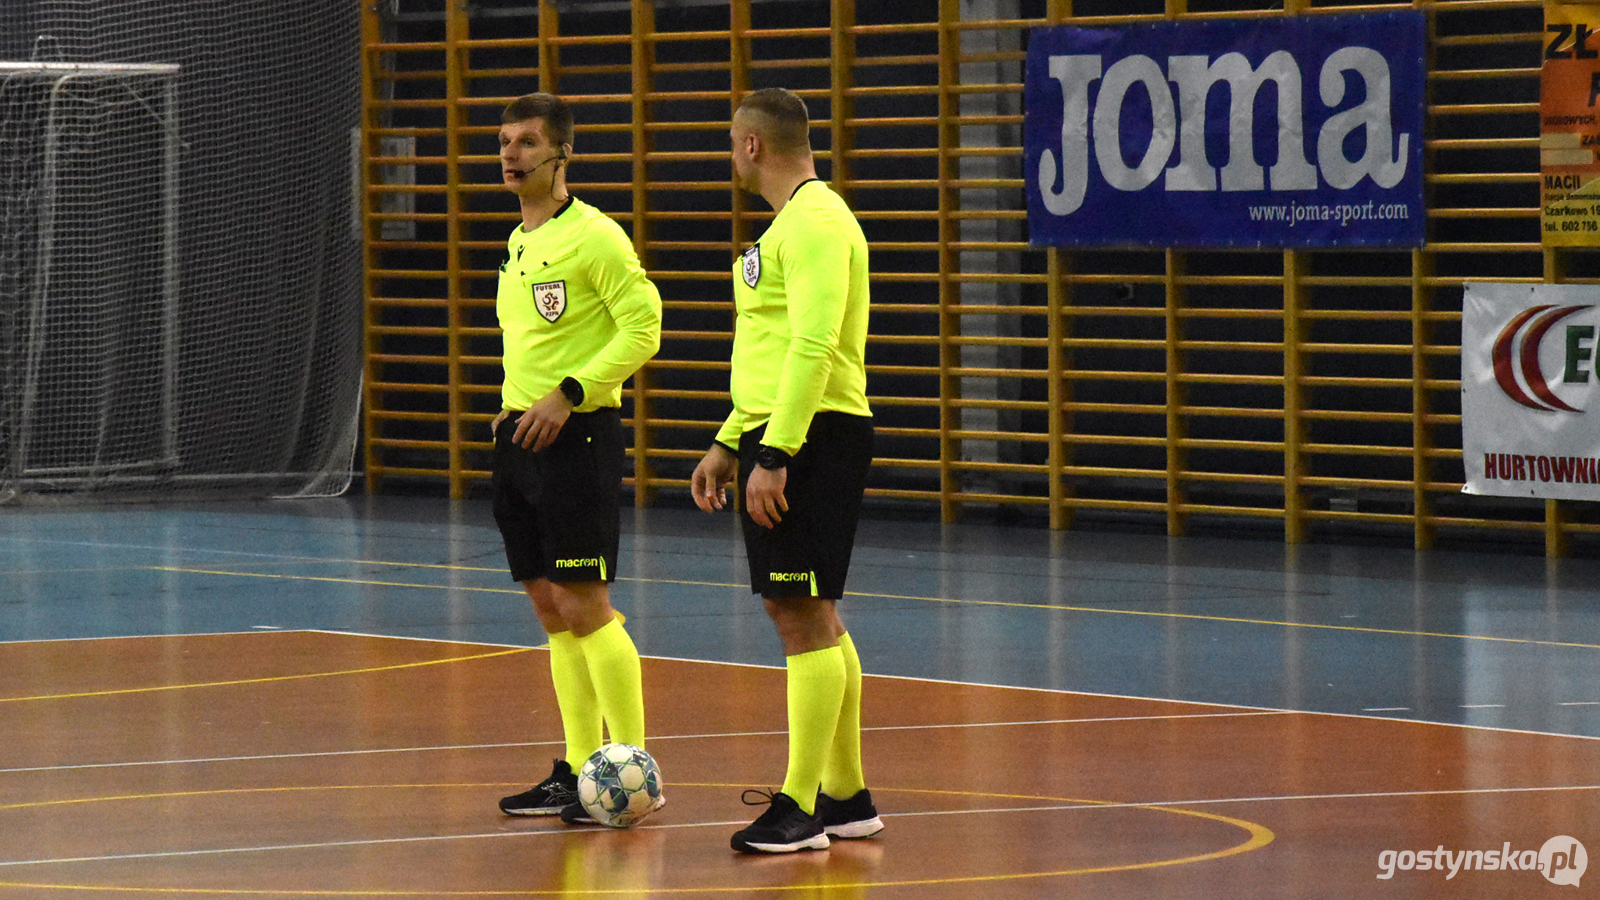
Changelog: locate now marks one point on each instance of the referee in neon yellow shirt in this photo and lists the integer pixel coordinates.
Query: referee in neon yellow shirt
(801, 433)
(578, 317)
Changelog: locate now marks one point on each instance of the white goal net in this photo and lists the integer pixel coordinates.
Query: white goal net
(179, 284)
(88, 170)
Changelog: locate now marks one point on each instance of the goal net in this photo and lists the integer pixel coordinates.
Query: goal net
(88, 167)
(179, 280)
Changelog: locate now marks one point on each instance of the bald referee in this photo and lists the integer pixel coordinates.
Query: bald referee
(801, 434)
(578, 317)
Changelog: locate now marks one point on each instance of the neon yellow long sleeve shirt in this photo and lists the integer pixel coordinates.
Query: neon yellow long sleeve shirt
(800, 334)
(574, 302)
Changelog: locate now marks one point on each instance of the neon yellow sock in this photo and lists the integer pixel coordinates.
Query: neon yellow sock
(842, 777)
(580, 712)
(618, 684)
(816, 689)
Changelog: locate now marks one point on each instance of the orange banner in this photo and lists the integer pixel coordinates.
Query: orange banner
(1569, 133)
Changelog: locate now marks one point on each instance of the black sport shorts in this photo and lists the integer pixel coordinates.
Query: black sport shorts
(557, 509)
(808, 554)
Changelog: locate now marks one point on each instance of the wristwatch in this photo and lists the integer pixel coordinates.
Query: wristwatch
(572, 390)
(771, 457)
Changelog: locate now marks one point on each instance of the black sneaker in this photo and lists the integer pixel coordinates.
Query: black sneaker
(783, 828)
(548, 797)
(574, 814)
(849, 819)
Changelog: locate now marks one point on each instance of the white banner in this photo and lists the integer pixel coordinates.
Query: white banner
(1530, 400)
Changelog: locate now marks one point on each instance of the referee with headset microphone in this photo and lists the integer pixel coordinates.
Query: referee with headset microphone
(578, 317)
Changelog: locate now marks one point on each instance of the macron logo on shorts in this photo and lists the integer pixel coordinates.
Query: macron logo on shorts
(809, 578)
(587, 562)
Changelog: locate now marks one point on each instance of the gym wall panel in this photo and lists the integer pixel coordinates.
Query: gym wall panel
(1313, 393)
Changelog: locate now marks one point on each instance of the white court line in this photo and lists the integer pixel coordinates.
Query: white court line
(127, 637)
(424, 640)
(1216, 801)
(281, 630)
(167, 854)
(667, 737)
(1237, 707)
(111, 545)
(269, 756)
(1072, 807)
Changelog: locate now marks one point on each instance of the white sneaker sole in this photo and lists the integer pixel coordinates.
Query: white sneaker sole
(854, 830)
(819, 842)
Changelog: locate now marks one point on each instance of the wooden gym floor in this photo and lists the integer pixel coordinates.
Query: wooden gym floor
(326, 698)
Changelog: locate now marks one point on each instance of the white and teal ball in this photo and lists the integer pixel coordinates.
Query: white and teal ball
(619, 784)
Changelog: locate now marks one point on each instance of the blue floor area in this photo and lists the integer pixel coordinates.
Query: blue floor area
(1476, 638)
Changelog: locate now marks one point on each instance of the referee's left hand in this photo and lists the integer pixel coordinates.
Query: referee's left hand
(763, 496)
(538, 427)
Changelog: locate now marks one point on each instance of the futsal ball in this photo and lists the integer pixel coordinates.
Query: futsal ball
(619, 784)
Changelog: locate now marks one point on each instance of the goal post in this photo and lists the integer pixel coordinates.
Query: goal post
(91, 208)
(180, 290)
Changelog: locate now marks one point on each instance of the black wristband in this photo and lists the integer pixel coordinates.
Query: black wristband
(771, 457)
(572, 390)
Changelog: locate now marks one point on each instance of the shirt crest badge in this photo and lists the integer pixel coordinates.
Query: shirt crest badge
(750, 265)
(551, 299)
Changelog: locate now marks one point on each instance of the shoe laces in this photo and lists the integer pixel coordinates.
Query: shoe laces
(554, 779)
(776, 812)
(763, 798)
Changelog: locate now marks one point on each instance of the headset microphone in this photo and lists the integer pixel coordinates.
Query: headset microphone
(561, 156)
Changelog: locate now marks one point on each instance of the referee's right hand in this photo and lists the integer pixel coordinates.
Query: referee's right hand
(539, 426)
(712, 477)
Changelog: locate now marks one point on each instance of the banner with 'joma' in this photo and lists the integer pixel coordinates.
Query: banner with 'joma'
(1298, 131)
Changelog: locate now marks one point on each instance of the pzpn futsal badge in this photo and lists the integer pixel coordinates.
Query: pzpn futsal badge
(750, 265)
(551, 298)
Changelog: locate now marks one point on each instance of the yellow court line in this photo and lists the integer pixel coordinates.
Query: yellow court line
(1241, 621)
(281, 789)
(453, 587)
(1360, 629)
(1259, 836)
(237, 681)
